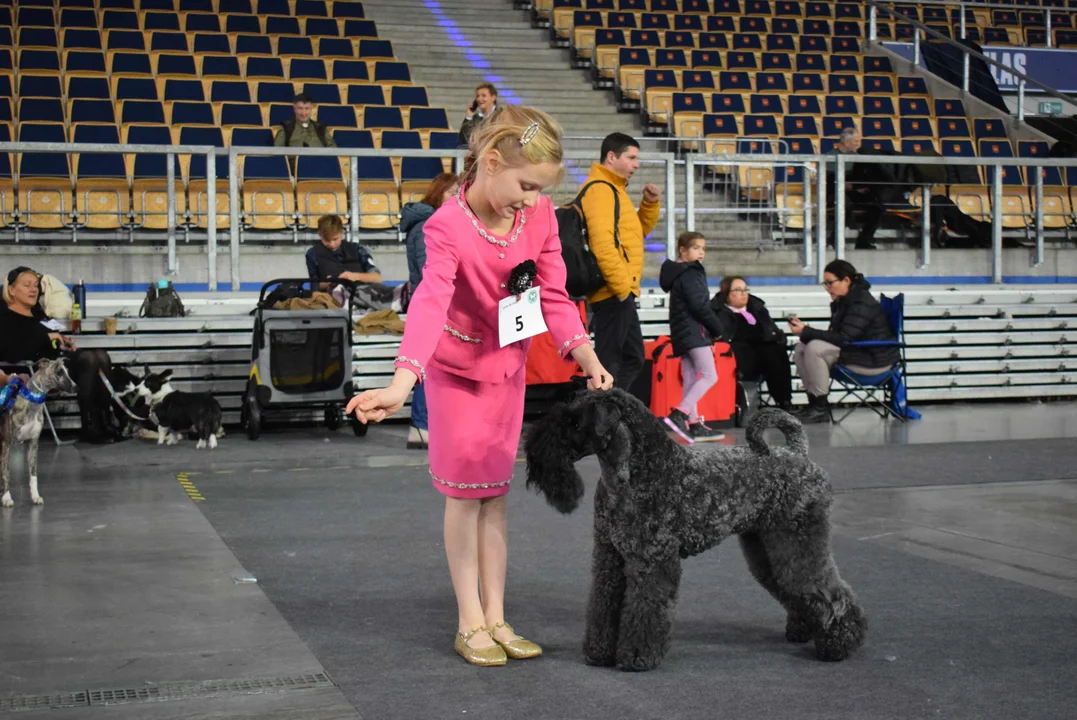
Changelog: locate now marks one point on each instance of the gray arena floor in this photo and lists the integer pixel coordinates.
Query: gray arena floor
(310, 582)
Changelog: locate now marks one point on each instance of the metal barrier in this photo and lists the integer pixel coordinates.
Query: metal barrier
(236, 214)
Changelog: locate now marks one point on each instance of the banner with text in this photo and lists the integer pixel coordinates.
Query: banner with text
(1053, 68)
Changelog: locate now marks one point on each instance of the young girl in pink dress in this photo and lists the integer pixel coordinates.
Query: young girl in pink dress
(456, 342)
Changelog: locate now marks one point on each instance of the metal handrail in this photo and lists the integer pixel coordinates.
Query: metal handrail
(1023, 80)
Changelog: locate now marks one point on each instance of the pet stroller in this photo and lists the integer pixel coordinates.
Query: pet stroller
(299, 359)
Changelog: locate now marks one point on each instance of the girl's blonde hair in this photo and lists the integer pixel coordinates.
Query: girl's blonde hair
(505, 131)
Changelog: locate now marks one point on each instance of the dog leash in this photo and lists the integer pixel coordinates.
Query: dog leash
(16, 388)
(116, 398)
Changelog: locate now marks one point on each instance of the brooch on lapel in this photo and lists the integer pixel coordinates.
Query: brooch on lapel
(522, 277)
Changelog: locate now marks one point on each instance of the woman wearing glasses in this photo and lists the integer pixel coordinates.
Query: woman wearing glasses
(854, 315)
(758, 344)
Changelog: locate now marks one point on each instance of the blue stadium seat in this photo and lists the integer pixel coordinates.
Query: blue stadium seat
(337, 116)
(231, 91)
(135, 88)
(741, 61)
(202, 6)
(321, 27)
(706, 59)
(280, 113)
(674, 39)
(655, 21)
(734, 81)
(392, 72)
(37, 37)
(721, 125)
(202, 22)
(93, 111)
(916, 147)
(878, 85)
(39, 165)
(743, 41)
(35, 16)
(252, 137)
(800, 125)
(306, 69)
(846, 45)
(766, 104)
(810, 62)
(181, 89)
(273, 7)
(274, 92)
(282, 25)
(688, 102)
(848, 11)
(790, 9)
(382, 117)
(235, 6)
(780, 43)
(366, 95)
(688, 23)
(697, 80)
(240, 114)
(912, 85)
(777, 61)
(713, 41)
(844, 64)
(787, 26)
(125, 40)
(311, 8)
(408, 96)
(916, 128)
(46, 60)
(35, 110)
(301, 47)
(834, 124)
(444, 140)
(958, 148)
(913, 106)
(952, 127)
(350, 70)
(161, 21)
(255, 45)
(808, 82)
(342, 9)
(142, 111)
(989, 128)
(212, 44)
(90, 88)
(119, 20)
(760, 125)
(5, 59)
(39, 86)
(1052, 177)
(98, 165)
(878, 127)
(812, 44)
(755, 25)
(85, 62)
(847, 29)
(804, 105)
(1001, 148)
(168, 5)
(879, 105)
(263, 67)
(168, 41)
(248, 24)
(878, 64)
(360, 28)
(771, 82)
(817, 27)
(425, 118)
(323, 92)
(149, 167)
(192, 113)
(356, 139)
(204, 136)
(116, 4)
(333, 47)
(730, 7)
(728, 103)
(670, 58)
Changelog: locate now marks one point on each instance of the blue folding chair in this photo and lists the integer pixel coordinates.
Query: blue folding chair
(884, 393)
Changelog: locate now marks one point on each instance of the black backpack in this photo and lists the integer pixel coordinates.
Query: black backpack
(161, 302)
(583, 276)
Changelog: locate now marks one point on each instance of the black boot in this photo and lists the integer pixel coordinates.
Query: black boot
(818, 410)
(787, 406)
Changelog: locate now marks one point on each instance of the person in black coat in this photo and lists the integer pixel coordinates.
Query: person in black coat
(693, 328)
(758, 344)
(854, 315)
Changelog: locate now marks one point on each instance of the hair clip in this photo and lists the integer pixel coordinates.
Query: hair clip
(529, 133)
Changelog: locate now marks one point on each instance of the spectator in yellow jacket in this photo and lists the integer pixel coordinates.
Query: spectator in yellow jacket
(615, 323)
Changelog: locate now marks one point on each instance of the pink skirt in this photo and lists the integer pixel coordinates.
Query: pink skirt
(474, 433)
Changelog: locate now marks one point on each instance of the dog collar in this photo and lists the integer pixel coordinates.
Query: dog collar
(16, 388)
(116, 398)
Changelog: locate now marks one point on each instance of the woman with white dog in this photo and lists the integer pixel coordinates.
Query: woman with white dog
(493, 279)
(23, 338)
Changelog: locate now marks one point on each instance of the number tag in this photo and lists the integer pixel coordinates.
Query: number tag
(520, 317)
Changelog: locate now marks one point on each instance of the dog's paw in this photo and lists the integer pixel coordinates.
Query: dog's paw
(842, 638)
(797, 630)
(635, 662)
(6, 501)
(600, 660)
(38, 500)
(201, 444)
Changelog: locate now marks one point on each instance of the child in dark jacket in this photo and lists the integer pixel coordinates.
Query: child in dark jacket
(693, 328)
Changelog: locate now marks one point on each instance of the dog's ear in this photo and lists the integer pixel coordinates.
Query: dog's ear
(607, 415)
(146, 370)
(166, 375)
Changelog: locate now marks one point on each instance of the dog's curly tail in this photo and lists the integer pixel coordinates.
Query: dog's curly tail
(795, 438)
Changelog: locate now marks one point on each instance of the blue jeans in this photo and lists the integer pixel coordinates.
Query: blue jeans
(418, 407)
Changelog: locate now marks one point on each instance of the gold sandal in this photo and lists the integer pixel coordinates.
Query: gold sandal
(518, 649)
(484, 657)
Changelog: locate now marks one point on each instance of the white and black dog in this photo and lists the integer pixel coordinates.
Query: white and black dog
(174, 411)
(128, 401)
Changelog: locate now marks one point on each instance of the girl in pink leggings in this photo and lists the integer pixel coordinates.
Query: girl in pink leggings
(693, 328)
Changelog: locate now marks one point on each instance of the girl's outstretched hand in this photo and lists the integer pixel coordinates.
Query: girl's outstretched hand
(599, 378)
(376, 405)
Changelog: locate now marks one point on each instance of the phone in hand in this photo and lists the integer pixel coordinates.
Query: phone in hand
(474, 105)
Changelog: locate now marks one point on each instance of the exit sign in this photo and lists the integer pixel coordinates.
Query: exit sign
(1054, 107)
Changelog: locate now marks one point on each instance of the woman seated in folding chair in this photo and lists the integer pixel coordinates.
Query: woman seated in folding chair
(758, 343)
(855, 315)
(23, 339)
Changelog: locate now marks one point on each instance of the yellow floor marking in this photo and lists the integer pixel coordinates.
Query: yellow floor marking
(189, 488)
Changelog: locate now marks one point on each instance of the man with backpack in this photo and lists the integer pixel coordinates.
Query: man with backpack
(302, 130)
(615, 234)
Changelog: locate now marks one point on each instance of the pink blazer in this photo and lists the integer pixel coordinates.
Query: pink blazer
(452, 322)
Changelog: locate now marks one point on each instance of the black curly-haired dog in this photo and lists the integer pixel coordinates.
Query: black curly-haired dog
(658, 502)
